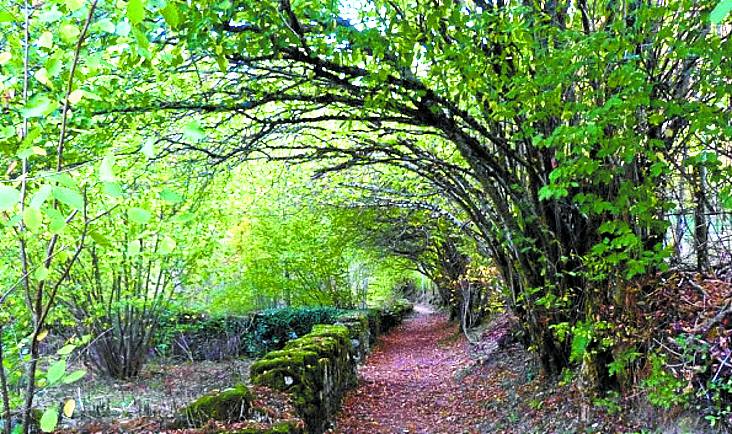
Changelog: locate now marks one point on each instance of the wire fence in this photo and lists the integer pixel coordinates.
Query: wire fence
(711, 236)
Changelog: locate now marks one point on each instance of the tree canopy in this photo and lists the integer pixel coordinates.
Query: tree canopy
(280, 151)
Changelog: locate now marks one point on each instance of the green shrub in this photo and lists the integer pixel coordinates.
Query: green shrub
(662, 388)
(197, 336)
(393, 314)
(273, 328)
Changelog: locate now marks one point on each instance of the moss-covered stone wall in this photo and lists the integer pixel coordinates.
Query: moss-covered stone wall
(318, 368)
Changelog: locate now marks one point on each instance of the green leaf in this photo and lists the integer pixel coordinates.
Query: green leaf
(580, 340)
(56, 371)
(49, 420)
(74, 376)
(105, 26)
(74, 5)
(66, 349)
(106, 170)
(136, 11)
(133, 248)
(38, 106)
(193, 131)
(6, 16)
(69, 197)
(40, 197)
(167, 245)
(8, 197)
(58, 222)
(45, 40)
(171, 196)
(183, 218)
(69, 32)
(139, 215)
(53, 67)
(41, 273)
(32, 218)
(170, 13)
(720, 12)
(113, 189)
(99, 239)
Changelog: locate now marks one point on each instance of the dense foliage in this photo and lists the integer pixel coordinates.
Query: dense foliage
(569, 150)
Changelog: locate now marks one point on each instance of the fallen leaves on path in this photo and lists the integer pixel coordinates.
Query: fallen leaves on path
(414, 382)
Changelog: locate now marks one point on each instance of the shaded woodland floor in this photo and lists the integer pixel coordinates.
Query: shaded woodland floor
(425, 378)
(414, 382)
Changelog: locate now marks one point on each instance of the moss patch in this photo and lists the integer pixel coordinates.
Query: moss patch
(315, 370)
(227, 406)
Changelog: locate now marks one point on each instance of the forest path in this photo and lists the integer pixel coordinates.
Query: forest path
(416, 380)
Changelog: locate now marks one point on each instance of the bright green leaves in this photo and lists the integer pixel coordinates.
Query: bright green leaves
(69, 33)
(40, 196)
(725, 197)
(69, 197)
(167, 245)
(581, 338)
(5, 57)
(41, 273)
(171, 14)
(39, 106)
(193, 131)
(49, 419)
(56, 372)
(171, 196)
(551, 191)
(136, 11)
(45, 40)
(33, 218)
(74, 5)
(139, 215)
(106, 175)
(74, 376)
(57, 221)
(113, 189)
(106, 170)
(9, 196)
(720, 12)
(6, 16)
(134, 248)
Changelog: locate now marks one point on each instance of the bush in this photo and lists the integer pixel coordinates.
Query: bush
(394, 313)
(273, 328)
(196, 336)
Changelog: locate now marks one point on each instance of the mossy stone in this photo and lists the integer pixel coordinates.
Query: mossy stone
(228, 406)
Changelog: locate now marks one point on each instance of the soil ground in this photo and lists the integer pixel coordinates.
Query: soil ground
(158, 392)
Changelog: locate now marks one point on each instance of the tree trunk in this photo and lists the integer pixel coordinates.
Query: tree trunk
(701, 231)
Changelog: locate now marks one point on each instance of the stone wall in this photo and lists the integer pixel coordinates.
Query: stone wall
(317, 369)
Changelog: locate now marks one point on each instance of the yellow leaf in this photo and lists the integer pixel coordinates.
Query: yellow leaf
(42, 335)
(69, 407)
